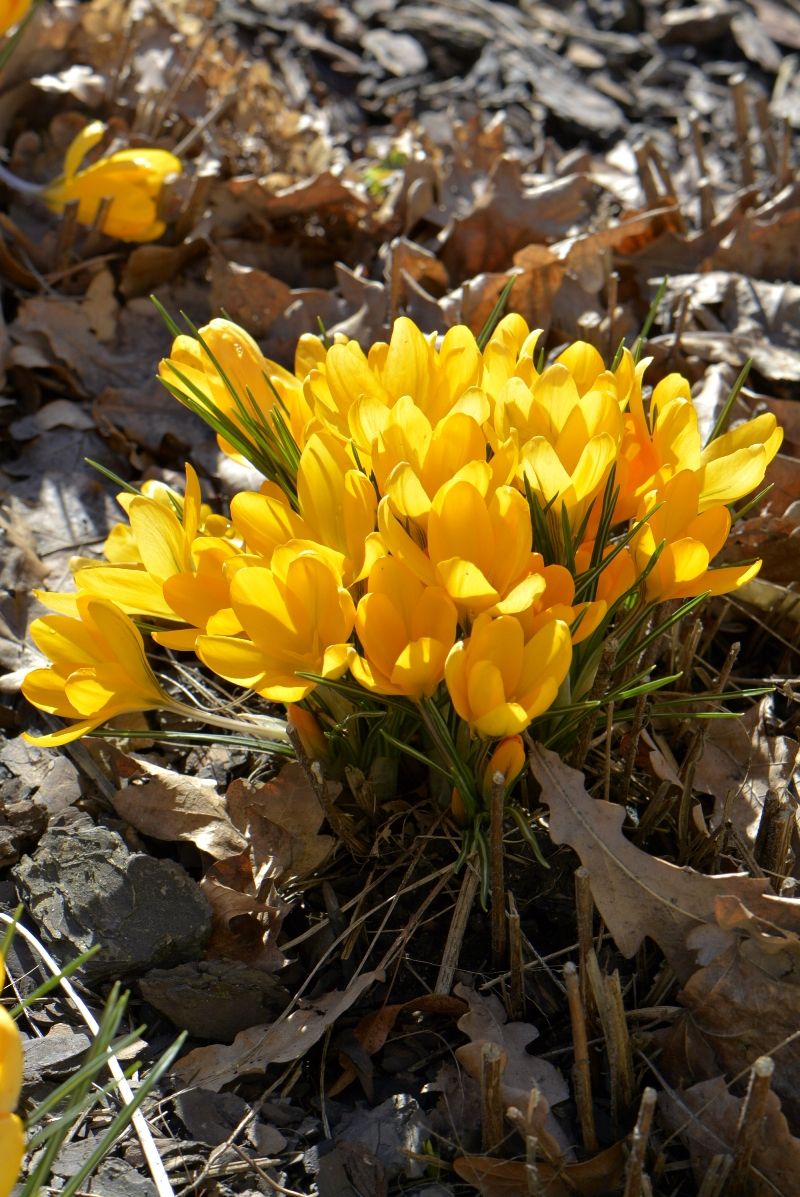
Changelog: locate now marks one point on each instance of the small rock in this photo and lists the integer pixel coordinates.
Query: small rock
(84, 887)
(54, 1054)
(398, 53)
(215, 999)
(390, 1132)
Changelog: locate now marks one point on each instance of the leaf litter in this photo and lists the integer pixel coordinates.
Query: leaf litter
(348, 163)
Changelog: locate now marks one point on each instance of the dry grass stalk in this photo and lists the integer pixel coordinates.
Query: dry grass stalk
(750, 1122)
(635, 1180)
(497, 886)
(492, 1130)
(515, 963)
(584, 913)
(741, 118)
(716, 1177)
(581, 1071)
(620, 1055)
(773, 845)
(639, 715)
(65, 241)
(458, 925)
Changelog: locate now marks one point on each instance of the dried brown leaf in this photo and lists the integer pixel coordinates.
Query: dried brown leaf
(287, 1039)
(281, 821)
(640, 895)
(707, 1118)
(173, 806)
(509, 1178)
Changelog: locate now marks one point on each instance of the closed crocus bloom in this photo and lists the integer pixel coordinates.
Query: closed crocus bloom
(131, 179)
(337, 512)
(295, 616)
(12, 1139)
(226, 367)
(406, 630)
(99, 670)
(478, 550)
(691, 539)
(568, 440)
(309, 732)
(553, 598)
(409, 364)
(498, 681)
(338, 503)
(508, 759)
(11, 13)
(509, 354)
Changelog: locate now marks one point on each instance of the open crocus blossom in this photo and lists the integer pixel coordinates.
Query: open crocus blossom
(12, 1138)
(687, 540)
(131, 179)
(99, 670)
(448, 533)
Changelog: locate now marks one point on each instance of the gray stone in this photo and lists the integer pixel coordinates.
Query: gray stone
(215, 999)
(83, 886)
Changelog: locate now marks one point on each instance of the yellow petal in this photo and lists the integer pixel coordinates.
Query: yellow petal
(12, 1149)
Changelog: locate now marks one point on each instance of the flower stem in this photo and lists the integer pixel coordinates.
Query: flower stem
(266, 727)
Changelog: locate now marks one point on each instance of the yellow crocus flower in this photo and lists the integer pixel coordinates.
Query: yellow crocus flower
(132, 179)
(409, 364)
(296, 615)
(11, 13)
(406, 630)
(498, 681)
(654, 451)
(223, 357)
(158, 546)
(12, 1138)
(508, 758)
(337, 513)
(691, 538)
(99, 670)
(478, 548)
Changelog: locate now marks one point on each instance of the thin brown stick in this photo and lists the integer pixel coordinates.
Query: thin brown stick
(492, 1061)
(584, 913)
(635, 1165)
(741, 117)
(581, 1070)
(620, 1057)
(65, 239)
(515, 962)
(716, 1176)
(458, 925)
(497, 887)
(750, 1122)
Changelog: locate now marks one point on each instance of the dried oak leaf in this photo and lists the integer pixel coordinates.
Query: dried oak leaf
(743, 1003)
(279, 1042)
(281, 821)
(706, 1117)
(639, 895)
(510, 1178)
(742, 758)
(173, 806)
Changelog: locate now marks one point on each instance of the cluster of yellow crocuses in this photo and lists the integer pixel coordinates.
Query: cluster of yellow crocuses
(440, 522)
